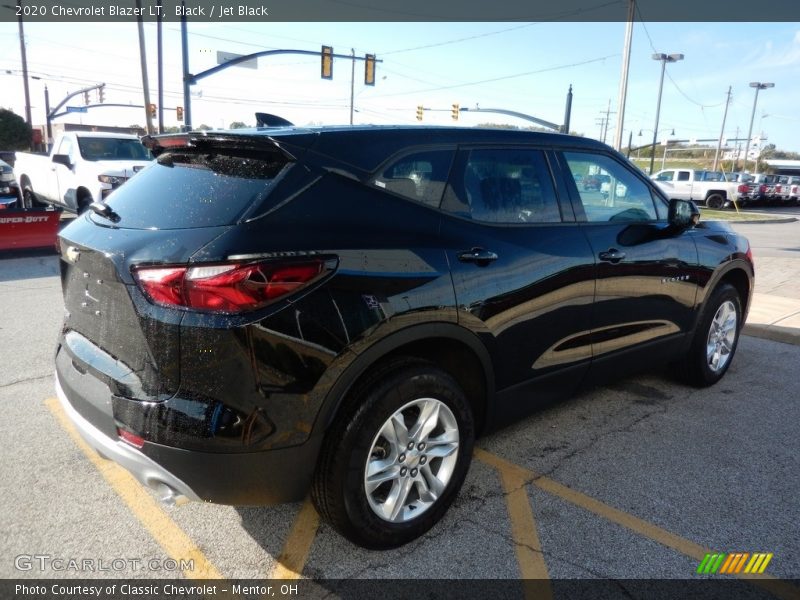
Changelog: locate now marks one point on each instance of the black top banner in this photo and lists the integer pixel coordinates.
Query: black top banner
(392, 10)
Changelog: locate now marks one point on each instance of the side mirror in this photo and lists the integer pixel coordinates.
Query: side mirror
(683, 214)
(62, 159)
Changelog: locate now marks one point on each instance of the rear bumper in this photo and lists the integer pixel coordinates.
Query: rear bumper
(238, 478)
(148, 472)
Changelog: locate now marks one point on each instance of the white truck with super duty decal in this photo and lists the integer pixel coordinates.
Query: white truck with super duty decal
(82, 168)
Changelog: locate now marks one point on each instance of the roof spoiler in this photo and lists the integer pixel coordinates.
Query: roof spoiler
(208, 140)
(268, 120)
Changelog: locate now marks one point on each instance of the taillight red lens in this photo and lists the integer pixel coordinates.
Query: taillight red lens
(228, 288)
(162, 285)
(744, 188)
(762, 188)
(133, 439)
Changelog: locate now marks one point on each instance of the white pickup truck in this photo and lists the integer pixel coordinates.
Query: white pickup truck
(83, 167)
(710, 187)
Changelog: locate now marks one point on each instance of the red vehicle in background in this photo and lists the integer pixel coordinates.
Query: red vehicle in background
(22, 228)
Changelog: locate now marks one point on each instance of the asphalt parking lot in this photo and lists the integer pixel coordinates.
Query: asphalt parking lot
(639, 479)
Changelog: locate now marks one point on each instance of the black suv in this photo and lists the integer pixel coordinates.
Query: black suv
(342, 310)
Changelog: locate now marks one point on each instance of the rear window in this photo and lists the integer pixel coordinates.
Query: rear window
(185, 190)
(112, 149)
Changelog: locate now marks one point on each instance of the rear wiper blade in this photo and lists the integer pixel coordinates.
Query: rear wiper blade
(104, 210)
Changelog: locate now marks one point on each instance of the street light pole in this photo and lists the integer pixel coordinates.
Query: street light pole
(664, 58)
(759, 86)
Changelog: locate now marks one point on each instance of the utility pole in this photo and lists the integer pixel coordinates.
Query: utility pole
(623, 81)
(187, 97)
(352, 82)
(160, 49)
(24, 58)
(47, 119)
(722, 131)
(608, 114)
(605, 122)
(567, 111)
(143, 59)
(602, 122)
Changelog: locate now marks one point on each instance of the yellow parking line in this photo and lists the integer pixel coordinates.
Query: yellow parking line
(297, 546)
(169, 536)
(773, 584)
(528, 548)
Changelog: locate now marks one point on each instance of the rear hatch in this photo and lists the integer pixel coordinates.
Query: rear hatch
(196, 191)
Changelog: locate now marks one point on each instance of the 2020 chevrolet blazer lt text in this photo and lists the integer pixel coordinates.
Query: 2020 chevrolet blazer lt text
(342, 310)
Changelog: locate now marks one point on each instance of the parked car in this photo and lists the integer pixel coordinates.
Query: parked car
(82, 168)
(783, 189)
(266, 312)
(709, 187)
(9, 191)
(762, 188)
(794, 188)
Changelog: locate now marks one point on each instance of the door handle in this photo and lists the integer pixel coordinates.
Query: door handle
(611, 255)
(480, 256)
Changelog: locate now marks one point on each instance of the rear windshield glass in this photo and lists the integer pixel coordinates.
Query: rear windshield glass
(112, 149)
(195, 190)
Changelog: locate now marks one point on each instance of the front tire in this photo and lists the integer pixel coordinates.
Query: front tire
(396, 457)
(715, 340)
(29, 199)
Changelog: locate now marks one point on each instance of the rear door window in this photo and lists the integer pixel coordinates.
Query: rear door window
(508, 186)
(194, 189)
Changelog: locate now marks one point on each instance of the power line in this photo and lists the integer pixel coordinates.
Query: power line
(459, 40)
(677, 87)
(505, 77)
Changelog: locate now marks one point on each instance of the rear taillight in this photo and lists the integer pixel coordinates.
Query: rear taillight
(744, 188)
(229, 287)
(749, 253)
(762, 188)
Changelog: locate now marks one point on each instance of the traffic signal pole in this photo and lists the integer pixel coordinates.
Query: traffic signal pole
(143, 59)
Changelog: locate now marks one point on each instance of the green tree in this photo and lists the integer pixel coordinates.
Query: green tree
(203, 127)
(237, 125)
(15, 134)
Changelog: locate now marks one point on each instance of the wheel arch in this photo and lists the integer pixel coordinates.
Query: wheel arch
(446, 345)
(722, 193)
(737, 273)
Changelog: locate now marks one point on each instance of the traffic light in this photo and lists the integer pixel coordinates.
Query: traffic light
(179, 113)
(420, 110)
(454, 114)
(151, 109)
(327, 62)
(86, 98)
(369, 70)
(101, 94)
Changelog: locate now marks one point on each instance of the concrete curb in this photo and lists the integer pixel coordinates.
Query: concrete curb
(766, 221)
(773, 333)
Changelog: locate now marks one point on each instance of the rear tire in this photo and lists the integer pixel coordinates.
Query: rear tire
(396, 456)
(715, 340)
(715, 201)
